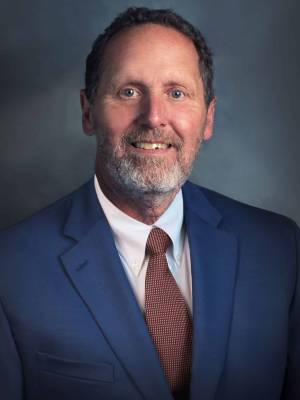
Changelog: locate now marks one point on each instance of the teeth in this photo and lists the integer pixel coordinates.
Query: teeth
(151, 146)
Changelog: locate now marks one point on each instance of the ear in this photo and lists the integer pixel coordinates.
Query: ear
(209, 127)
(87, 117)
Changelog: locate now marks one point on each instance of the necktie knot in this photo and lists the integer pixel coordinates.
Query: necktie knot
(158, 242)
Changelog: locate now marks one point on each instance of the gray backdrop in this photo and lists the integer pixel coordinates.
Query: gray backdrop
(253, 156)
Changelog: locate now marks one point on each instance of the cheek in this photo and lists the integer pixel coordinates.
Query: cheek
(114, 121)
(190, 126)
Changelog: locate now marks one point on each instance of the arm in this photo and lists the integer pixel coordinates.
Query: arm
(10, 365)
(291, 389)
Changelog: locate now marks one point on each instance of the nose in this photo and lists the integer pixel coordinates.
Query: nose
(153, 112)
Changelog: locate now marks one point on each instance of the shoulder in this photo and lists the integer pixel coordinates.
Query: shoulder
(30, 250)
(238, 215)
(267, 242)
(39, 230)
(45, 220)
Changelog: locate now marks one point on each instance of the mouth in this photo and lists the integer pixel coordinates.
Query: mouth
(151, 146)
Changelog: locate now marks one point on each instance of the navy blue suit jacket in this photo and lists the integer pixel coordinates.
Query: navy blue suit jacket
(70, 327)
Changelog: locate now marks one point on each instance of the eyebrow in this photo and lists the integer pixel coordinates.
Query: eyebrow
(136, 82)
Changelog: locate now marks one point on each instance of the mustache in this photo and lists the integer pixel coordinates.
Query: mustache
(150, 135)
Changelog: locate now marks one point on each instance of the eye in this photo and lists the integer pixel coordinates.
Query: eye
(128, 92)
(176, 94)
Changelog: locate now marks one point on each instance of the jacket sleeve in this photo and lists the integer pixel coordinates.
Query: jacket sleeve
(10, 364)
(291, 390)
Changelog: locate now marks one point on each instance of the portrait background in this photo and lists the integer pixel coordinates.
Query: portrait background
(254, 154)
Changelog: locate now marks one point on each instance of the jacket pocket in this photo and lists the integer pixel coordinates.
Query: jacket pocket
(103, 372)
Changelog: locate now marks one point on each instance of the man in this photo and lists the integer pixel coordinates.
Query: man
(139, 285)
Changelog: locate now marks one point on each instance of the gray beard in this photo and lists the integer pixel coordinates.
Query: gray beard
(140, 175)
(147, 175)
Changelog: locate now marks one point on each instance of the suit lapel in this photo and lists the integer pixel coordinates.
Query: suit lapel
(213, 259)
(95, 270)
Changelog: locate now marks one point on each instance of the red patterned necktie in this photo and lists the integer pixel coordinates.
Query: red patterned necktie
(167, 315)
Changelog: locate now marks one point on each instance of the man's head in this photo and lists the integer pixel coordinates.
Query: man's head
(149, 101)
(134, 16)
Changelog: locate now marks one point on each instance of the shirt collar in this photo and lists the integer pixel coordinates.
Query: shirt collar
(131, 235)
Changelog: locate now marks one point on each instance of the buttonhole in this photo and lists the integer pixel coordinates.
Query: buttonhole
(82, 265)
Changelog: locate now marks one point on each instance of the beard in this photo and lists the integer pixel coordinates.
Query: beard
(143, 174)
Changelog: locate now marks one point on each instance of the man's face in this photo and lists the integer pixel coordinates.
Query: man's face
(149, 114)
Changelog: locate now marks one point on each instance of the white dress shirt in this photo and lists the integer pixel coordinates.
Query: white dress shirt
(130, 238)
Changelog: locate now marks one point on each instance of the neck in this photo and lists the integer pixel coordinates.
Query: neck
(144, 207)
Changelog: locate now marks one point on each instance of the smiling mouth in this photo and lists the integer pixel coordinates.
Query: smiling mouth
(151, 146)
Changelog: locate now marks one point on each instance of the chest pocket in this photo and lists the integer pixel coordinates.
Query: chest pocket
(103, 372)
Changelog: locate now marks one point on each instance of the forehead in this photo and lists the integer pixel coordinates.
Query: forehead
(151, 46)
(152, 31)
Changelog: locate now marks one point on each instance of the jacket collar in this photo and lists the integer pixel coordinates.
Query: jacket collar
(197, 203)
(85, 210)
